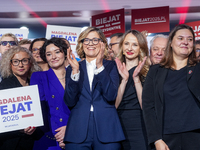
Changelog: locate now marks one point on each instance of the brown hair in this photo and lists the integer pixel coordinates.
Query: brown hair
(143, 50)
(79, 47)
(24, 41)
(167, 60)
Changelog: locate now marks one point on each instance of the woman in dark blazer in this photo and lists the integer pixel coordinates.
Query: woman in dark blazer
(17, 65)
(90, 93)
(51, 85)
(171, 97)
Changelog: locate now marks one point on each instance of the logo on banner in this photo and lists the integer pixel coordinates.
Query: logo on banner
(196, 28)
(110, 22)
(70, 36)
(150, 20)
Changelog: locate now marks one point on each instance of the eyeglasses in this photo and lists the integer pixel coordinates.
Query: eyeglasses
(34, 50)
(95, 41)
(111, 44)
(15, 62)
(11, 43)
(197, 50)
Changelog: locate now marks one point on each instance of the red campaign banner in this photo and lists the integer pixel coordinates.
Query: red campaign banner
(153, 20)
(110, 22)
(196, 28)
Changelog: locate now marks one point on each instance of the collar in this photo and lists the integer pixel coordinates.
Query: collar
(92, 63)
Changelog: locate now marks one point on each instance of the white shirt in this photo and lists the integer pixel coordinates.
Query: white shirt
(91, 71)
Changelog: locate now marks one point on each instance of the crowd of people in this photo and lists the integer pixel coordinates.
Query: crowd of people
(118, 96)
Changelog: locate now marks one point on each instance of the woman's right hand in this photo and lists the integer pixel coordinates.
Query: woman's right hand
(161, 145)
(73, 62)
(122, 69)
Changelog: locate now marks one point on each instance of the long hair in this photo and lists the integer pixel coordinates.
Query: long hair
(79, 47)
(143, 50)
(168, 60)
(5, 62)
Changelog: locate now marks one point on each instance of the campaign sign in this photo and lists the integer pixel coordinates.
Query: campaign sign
(20, 108)
(110, 22)
(153, 20)
(69, 33)
(19, 33)
(196, 28)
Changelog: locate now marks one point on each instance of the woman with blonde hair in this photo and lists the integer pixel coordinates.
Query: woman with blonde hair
(16, 67)
(90, 93)
(132, 67)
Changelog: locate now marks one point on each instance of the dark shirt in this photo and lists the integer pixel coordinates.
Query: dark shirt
(181, 108)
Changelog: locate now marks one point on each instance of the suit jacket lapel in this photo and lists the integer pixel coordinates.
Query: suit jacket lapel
(190, 71)
(85, 80)
(161, 76)
(53, 81)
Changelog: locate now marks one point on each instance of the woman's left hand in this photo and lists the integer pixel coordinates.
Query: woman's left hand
(61, 133)
(29, 130)
(138, 69)
(99, 59)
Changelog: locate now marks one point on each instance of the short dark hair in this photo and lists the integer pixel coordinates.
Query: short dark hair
(60, 43)
(35, 40)
(197, 42)
(118, 35)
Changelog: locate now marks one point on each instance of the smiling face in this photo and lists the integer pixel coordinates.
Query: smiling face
(91, 50)
(157, 50)
(6, 47)
(55, 57)
(131, 47)
(21, 70)
(182, 43)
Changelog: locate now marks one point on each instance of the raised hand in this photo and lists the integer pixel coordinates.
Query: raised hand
(122, 69)
(73, 62)
(138, 69)
(99, 59)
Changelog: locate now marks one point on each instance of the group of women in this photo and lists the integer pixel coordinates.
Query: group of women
(144, 108)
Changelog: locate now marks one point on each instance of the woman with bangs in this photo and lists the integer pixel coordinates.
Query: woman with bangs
(90, 93)
(16, 67)
(132, 67)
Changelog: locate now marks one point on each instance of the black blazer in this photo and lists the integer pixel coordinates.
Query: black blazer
(152, 97)
(16, 139)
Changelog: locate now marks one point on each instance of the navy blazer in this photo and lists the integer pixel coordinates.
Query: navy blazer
(79, 98)
(51, 94)
(153, 99)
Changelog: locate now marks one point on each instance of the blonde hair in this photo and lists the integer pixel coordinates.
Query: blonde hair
(83, 35)
(143, 50)
(10, 35)
(5, 62)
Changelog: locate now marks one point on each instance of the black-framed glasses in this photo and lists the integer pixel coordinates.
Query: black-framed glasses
(11, 43)
(24, 61)
(111, 44)
(95, 41)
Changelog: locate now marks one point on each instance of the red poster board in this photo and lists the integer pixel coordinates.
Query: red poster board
(153, 20)
(196, 28)
(110, 23)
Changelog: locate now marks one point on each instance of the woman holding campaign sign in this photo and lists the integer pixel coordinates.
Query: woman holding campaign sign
(51, 86)
(132, 67)
(16, 67)
(90, 93)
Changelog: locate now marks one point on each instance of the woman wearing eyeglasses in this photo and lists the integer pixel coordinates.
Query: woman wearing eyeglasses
(90, 93)
(51, 86)
(7, 41)
(16, 67)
